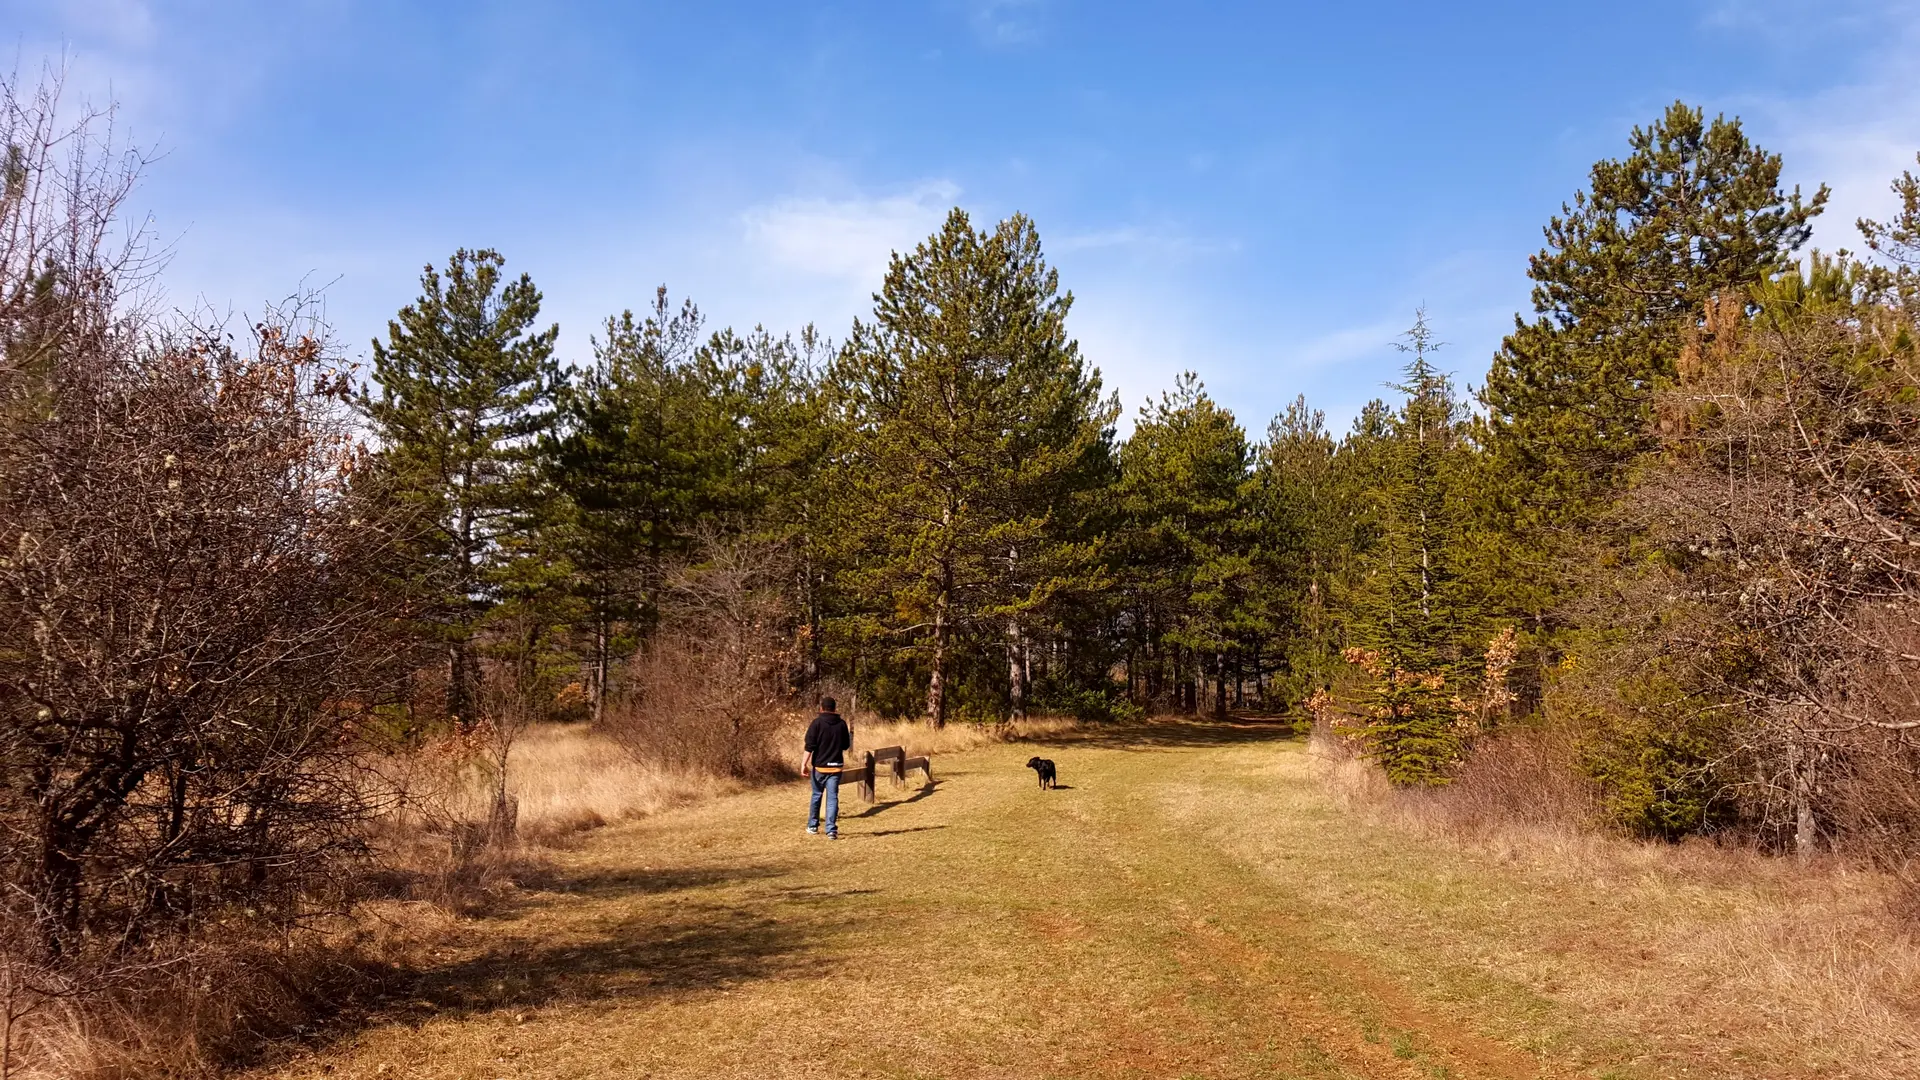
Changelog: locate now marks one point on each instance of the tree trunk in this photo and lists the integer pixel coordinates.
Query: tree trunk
(463, 681)
(1806, 833)
(57, 890)
(601, 671)
(936, 680)
(1189, 695)
(813, 622)
(1016, 674)
(1155, 678)
(1220, 684)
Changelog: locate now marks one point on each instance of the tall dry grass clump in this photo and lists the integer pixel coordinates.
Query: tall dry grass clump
(570, 778)
(1688, 938)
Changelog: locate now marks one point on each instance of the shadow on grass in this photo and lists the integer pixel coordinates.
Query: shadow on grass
(691, 945)
(687, 945)
(644, 881)
(881, 808)
(661, 953)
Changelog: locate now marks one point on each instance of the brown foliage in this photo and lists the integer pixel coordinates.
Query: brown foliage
(186, 621)
(186, 579)
(1774, 631)
(1523, 774)
(714, 687)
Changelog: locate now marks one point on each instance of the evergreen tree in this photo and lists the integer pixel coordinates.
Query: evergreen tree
(782, 435)
(969, 422)
(1307, 517)
(1694, 211)
(1413, 612)
(645, 458)
(1188, 541)
(466, 391)
(1411, 608)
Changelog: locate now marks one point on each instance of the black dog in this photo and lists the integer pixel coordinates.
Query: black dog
(1044, 769)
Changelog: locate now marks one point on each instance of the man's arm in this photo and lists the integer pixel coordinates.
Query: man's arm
(806, 763)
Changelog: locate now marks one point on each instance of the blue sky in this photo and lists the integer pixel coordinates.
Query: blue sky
(1262, 193)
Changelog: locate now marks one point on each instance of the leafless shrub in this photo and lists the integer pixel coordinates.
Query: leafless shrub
(69, 262)
(445, 835)
(186, 584)
(714, 687)
(1784, 608)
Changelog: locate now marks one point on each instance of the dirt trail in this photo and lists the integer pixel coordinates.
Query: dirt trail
(978, 928)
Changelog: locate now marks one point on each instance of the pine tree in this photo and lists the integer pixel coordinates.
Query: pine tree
(1188, 539)
(646, 457)
(466, 391)
(1307, 531)
(1693, 212)
(785, 436)
(969, 421)
(1412, 610)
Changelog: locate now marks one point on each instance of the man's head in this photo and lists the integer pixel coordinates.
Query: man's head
(827, 704)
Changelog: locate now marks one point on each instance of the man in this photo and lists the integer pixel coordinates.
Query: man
(828, 740)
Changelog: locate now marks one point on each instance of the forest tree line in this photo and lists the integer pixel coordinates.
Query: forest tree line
(1670, 538)
(1669, 532)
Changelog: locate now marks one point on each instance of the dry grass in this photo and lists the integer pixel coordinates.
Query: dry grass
(919, 738)
(195, 1008)
(212, 1001)
(1197, 901)
(1710, 952)
(570, 778)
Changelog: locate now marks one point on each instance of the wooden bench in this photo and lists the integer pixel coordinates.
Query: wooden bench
(892, 757)
(898, 766)
(861, 774)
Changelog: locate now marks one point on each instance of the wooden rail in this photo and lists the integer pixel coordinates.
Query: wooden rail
(897, 764)
(892, 757)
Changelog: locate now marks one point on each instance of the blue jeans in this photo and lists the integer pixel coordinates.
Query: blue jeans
(828, 783)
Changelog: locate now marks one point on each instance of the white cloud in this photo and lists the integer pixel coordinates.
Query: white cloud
(849, 239)
(119, 24)
(1006, 22)
(1368, 341)
(1158, 242)
(1857, 134)
(1792, 22)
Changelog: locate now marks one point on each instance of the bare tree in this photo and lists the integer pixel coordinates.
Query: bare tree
(715, 683)
(186, 595)
(1787, 513)
(70, 263)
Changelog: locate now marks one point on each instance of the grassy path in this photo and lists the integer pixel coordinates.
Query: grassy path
(1189, 904)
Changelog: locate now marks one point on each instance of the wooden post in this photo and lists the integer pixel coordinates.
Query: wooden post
(892, 756)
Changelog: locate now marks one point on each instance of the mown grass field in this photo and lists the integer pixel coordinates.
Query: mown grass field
(1194, 901)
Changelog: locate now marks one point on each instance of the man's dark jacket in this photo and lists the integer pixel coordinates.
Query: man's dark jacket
(828, 739)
